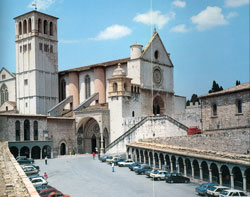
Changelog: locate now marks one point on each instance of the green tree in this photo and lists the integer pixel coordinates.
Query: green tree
(237, 83)
(215, 87)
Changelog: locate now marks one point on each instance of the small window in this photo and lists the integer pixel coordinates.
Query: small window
(133, 114)
(20, 49)
(25, 81)
(125, 86)
(51, 49)
(29, 46)
(156, 54)
(24, 48)
(115, 87)
(6, 108)
(46, 48)
(214, 110)
(239, 106)
(41, 46)
(3, 77)
(26, 104)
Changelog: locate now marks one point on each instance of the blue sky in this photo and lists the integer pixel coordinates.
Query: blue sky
(207, 39)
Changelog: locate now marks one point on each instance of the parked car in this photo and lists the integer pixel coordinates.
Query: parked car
(30, 170)
(57, 194)
(35, 166)
(142, 169)
(42, 187)
(158, 175)
(125, 163)
(104, 157)
(134, 165)
(117, 160)
(24, 160)
(176, 178)
(31, 176)
(39, 181)
(45, 192)
(114, 158)
(202, 189)
(232, 192)
(147, 173)
(215, 190)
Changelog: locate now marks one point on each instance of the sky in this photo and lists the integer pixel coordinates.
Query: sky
(207, 39)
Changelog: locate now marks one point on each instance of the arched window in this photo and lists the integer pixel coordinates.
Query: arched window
(26, 130)
(114, 87)
(62, 90)
(29, 25)
(51, 28)
(24, 26)
(87, 86)
(156, 54)
(20, 28)
(35, 130)
(4, 94)
(125, 86)
(17, 130)
(133, 113)
(45, 27)
(239, 106)
(39, 25)
(214, 110)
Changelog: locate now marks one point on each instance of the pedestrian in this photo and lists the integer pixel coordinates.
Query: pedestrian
(113, 166)
(93, 154)
(46, 162)
(45, 176)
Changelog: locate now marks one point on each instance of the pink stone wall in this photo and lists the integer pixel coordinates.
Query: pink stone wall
(99, 84)
(74, 88)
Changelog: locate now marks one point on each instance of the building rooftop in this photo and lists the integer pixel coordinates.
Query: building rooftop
(35, 11)
(238, 88)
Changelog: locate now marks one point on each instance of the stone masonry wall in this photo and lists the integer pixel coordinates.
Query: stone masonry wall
(13, 181)
(223, 141)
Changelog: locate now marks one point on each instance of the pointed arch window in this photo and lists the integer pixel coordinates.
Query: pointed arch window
(87, 86)
(39, 25)
(29, 25)
(17, 130)
(4, 94)
(35, 130)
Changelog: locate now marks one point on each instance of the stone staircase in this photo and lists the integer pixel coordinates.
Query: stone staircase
(138, 132)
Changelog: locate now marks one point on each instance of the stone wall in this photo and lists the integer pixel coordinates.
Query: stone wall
(223, 141)
(13, 181)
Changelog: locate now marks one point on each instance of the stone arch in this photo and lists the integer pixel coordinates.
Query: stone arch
(35, 130)
(63, 148)
(161, 158)
(205, 171)
(14, 151)
(39, 25)
(238, 179)
(225, 172)
(156, 160)
(146, 156)
(17, 125)
(188, 166)
(247, 175)
(26, 129)
(141, 156)
(24, 26)
(51, 29)
(29, 25)
(215, 173)
(46, 151)
(36, 152)
(45, 27)
(151, 158)
(167, 163)
(181, 165)
(20, 28)
(158, 105)
(196, 169)
(137, 155)
(25, 151)
(173, 161)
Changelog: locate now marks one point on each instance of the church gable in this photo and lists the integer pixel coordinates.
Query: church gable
(5, 74)
(156, 52)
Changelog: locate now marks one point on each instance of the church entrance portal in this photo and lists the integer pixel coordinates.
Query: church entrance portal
(158, 105)
(63, 149)
(93, 143)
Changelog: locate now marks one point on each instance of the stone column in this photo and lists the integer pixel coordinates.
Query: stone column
(220, 177)
(144, 156)
(192, 166)
(19, 151)
(185, 170)
(210, 176)
(232, 180)
(41, 153)
(149, 160)
(244, 184)
(153, 161)
(178, 166)
(201, 174)
(30, 153)
(171, 165)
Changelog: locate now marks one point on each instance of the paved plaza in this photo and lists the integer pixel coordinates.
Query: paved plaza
(81, 176)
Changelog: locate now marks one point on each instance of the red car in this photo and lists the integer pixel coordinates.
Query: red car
(194, 130)
(46, 192)
(58, 194)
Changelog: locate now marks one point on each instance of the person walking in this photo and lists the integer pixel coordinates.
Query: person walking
(93, 154)
(46, 162)
(45, 176)
(113, 166)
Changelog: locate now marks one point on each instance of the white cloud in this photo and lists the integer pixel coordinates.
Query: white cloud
(154, 18)
(179, 3)
(232, 15)
(113, 32)
(41, 4)
(209, 18)
(180, 29)
(236, 3)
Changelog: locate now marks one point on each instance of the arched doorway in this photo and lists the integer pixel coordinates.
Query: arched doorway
(146, 156)
(196, 169)
(173, 160)
(35, 152)
(225, 176)
(215, 173)
(181, 165)
(142, 156)
(188, 166)
(238, 179)
(205, 171)
(93, 143)
(158, 105)
(46, 152)
(14, 151)
(168, 168)
(63, 149)
(25, 151)
(156, 160)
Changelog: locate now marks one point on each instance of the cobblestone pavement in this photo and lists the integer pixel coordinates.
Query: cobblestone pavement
(81, 176)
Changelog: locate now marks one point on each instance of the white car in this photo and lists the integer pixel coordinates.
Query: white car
(158, 175)
(125, 163)
(215, 190)
(232, 192)
(39, 181)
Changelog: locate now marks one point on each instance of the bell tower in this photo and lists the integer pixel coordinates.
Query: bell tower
(36, 62)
